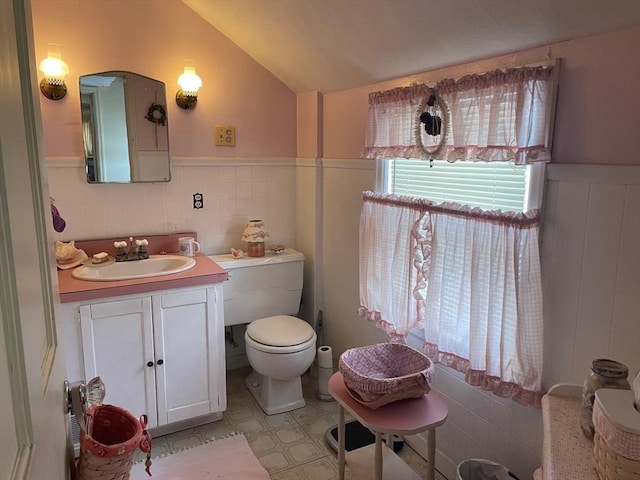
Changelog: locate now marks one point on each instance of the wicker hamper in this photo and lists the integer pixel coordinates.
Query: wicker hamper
(387, 372)
(616, 447)
(109, 443)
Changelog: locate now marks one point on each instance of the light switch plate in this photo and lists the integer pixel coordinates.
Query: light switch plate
(225, 135)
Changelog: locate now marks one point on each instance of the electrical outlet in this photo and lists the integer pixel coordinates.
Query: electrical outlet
(198, 200)
(225, 135)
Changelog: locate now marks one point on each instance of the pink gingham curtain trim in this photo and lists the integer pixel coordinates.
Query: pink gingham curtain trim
(470, 278)
(498, 116)
(394, 245)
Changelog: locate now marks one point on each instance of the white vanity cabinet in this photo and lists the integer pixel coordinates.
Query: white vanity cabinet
(161, 354)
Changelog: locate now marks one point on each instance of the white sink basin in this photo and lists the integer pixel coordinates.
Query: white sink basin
(154, 266)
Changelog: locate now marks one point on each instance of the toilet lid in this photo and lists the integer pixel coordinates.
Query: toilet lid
(280, 331)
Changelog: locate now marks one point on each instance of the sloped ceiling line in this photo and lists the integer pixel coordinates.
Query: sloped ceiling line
(332, 45)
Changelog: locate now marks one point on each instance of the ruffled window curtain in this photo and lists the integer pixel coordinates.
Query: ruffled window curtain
(498, 116)
(470, 278)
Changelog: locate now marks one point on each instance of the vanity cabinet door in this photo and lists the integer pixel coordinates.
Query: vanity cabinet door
(162, 355)
(189, 350)
(117, 342)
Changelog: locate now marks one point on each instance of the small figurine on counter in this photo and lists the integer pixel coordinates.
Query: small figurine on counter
(237, 253)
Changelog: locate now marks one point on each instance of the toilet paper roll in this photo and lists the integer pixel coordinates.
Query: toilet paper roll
(324, 374)
(325, 357)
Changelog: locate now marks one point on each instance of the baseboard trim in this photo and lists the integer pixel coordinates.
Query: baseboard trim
(185, 424)
(444, 464)
(234, 362)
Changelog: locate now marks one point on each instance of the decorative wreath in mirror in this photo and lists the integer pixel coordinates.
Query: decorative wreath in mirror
(432, 126)
(157, 114)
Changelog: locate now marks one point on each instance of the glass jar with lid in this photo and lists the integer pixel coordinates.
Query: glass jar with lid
(605, 373)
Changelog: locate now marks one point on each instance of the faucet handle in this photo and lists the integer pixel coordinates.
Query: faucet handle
(142, 248)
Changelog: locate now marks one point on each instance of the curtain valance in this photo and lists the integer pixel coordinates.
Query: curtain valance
(497, 116)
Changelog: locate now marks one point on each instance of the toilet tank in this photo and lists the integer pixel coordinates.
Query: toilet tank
(261, 286)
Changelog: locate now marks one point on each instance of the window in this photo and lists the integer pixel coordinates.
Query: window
(468, 277)
(488, 185)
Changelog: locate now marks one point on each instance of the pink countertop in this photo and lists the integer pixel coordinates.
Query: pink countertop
(205, 271)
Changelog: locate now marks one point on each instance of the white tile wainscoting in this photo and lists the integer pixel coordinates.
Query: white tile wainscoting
(591, 278)
(590, 264)
(482, 425)
(234, 190)
(591, 269)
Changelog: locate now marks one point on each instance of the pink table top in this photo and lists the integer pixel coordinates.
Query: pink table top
(405, 417)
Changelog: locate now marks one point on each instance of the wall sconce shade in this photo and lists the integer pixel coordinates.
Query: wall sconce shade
(255, 235)
(190, 83)
(54, 70)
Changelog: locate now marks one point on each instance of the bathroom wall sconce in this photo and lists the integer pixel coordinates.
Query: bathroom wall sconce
(190, 83)
(255, 234)
(54, 69)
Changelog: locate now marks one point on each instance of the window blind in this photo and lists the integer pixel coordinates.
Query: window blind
(488, 185)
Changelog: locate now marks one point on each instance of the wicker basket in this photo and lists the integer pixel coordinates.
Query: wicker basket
(611, 466)
(108, 446)
(616, 443)
(387, 372)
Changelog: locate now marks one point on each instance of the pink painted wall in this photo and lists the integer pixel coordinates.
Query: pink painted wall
(598, 110)
(154, 38)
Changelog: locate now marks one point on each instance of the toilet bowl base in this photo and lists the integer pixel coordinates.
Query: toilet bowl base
(275, 396)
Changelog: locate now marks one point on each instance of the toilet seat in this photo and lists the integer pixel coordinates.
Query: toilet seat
(280, 334)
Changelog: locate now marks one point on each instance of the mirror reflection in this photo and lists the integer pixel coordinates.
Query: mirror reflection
(124, 128)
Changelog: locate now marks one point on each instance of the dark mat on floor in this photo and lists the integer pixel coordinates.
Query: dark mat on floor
(357, 436)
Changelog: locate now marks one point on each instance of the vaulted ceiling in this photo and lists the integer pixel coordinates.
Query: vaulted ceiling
(330, 45)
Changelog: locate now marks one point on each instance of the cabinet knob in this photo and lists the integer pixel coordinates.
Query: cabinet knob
(160, 362)
(149, 364)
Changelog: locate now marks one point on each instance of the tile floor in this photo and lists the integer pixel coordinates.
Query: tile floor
(290, 446)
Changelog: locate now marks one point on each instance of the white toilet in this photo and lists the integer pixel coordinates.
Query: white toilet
(264, 292)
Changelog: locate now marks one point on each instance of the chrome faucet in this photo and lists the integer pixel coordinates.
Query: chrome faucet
(133, 251)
